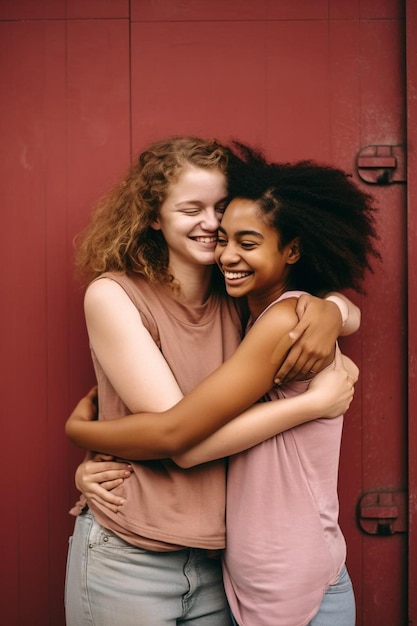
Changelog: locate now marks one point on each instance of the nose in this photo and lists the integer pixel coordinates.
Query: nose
(210, 221)
(228, 254)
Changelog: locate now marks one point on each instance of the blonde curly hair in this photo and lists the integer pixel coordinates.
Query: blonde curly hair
(119, 236)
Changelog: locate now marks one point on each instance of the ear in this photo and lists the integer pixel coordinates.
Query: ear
(293, 251)
(156, 225)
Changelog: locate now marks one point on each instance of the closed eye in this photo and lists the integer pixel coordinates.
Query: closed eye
(191, 211)
(248, 245)
(221, 241)
(221, 207)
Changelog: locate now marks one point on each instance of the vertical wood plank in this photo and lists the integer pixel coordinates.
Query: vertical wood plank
(383, 379)
(98, 119)
(25, 133)
(65, 138)
(198, 78)
(411, 59)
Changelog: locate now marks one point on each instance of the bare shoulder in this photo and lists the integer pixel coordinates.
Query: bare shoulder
(105, 295)
(107, 303)
(270, 327)
(279, 318)
(103, 289)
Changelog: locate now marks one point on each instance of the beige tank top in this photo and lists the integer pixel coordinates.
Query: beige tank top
(168, 508)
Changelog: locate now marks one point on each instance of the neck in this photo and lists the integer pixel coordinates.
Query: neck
(257, 303)
(194, 284)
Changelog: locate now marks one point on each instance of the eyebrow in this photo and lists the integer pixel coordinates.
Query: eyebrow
(199, 202)
(241, 233)
(179, 204)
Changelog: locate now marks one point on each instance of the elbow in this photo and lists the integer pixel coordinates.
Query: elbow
(168, 442)
(69, 432)
(354, 321)
(183, 461)
(357, 321)
(175, 438)
(72, 433)
(173, 445)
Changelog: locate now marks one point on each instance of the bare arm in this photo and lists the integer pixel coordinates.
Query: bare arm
(222, 396)
(330, 394)
(307, 347)
(136, 369)
(126, 351)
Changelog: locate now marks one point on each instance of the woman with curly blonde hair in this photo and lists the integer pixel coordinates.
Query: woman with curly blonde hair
(120, 238)
(146, 550)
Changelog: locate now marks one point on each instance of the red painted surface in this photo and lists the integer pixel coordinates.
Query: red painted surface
(64, 138)
(411, 29)
(85, 83)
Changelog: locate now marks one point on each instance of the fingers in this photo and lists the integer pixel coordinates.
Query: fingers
(108, 485)
(351, 368)
(281, 350)
(109, 475)
(98, 487)
(297, 370)
(280, 356)
(92, 475)
(104, 467)
(107, 505)
(338, 360)
(336, 390)
(299, 329)
(102, 457)
(105, 498)
(302, 304)
(299, 362)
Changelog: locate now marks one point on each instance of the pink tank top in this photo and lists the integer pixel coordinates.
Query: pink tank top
(284, 544)
(168, 508)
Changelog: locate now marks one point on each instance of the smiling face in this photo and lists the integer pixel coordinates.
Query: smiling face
(249, 256)
(190, 215)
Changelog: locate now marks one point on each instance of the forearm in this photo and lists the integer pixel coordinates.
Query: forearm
(161, 438)
(329, 395)
(171, 434)
(140, 436)
(226, 393)
(260, 422)
(146, 436)
(351, 314)
(229, 391)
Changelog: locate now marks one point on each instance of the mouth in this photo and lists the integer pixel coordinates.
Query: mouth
(212, 239)
(235, 276)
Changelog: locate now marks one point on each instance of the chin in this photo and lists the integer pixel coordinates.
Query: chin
(235, 292)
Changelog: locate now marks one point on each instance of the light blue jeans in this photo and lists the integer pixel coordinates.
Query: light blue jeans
(112, 582)
(338, 605)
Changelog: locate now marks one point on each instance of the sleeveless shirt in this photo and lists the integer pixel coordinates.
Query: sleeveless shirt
(166, 507)
(284, 545)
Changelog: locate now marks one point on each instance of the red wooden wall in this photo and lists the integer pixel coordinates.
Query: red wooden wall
(411, 64)
(86, 83)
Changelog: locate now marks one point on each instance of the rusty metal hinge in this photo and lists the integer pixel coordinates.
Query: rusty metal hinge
(383, 512)
(382, 165)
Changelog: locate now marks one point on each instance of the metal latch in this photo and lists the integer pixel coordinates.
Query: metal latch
(382, 165)
(383, 512)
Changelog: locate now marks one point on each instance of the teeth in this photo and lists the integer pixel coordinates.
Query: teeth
(235, 275)
(205, 239)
